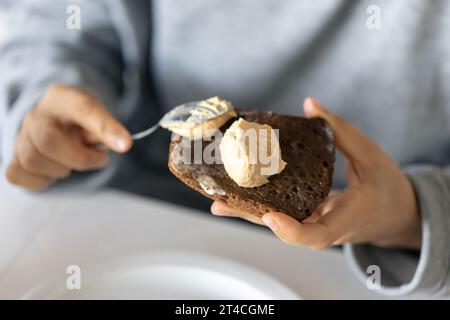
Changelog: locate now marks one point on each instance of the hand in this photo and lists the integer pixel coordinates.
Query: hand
(57, 135)
(378, 206)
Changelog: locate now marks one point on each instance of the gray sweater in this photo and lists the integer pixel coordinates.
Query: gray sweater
(142, 57)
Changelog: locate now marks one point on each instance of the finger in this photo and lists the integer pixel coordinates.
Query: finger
(324, 207)
(19, 177)
(345, 239)
(50, 141)
(349, 139)
(90, 139)
(33, 162)
(91, 115)
(342, 218)
(312, 235)
(334, 193)
(219, 208)
(313, 218)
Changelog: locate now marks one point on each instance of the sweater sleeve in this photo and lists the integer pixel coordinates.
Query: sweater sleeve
(417, 274)
(41, 47)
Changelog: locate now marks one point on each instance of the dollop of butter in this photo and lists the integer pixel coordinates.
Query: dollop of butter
(251, 153)
(208, 116)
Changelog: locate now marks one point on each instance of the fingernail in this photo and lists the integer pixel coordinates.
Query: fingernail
(317, 104)
(119, 143)
(270, 222)
(216, 211)
(315, 101)
(309, 108)
(313, 104)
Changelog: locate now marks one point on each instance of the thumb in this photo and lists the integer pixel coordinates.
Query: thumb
(102, 126)
(355, 145)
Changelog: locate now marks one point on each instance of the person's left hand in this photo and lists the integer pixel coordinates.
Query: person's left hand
(378, 206)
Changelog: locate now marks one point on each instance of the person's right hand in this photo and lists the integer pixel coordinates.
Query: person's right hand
(57, 137)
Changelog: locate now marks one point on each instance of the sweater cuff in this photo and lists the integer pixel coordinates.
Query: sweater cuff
(407, 273)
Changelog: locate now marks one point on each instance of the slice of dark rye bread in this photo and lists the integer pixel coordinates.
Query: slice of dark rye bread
(307, 147)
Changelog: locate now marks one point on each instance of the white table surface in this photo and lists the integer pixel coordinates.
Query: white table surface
(41, 235)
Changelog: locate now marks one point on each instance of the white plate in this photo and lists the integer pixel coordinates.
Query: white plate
(167, 276)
